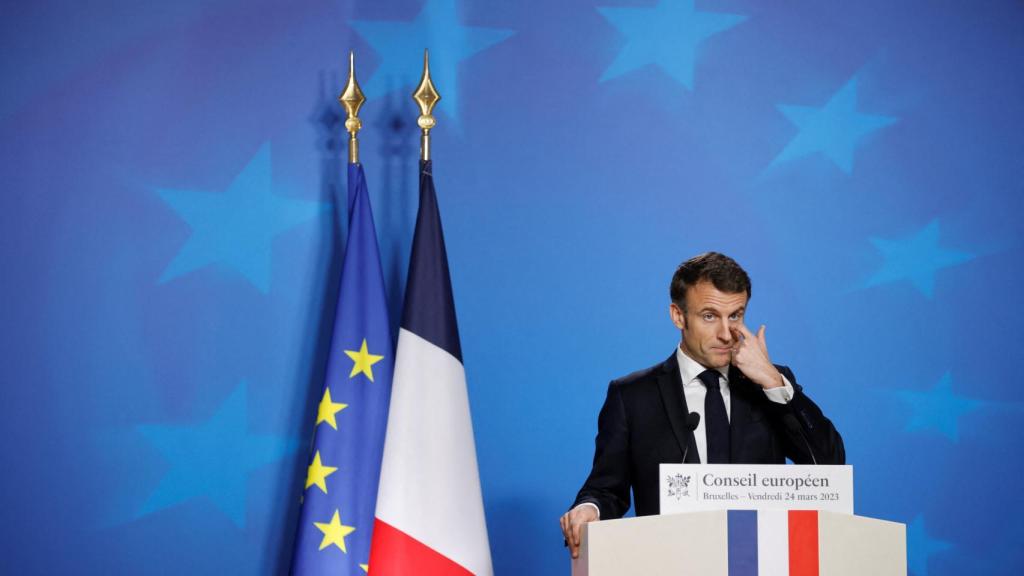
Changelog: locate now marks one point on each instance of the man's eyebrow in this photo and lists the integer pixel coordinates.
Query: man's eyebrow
(716, 310)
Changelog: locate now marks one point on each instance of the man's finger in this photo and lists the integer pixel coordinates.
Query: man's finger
(761, 340)
(574, 542)
(566, 532)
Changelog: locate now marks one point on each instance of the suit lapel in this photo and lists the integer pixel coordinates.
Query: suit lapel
(670, 382)
(739, 412)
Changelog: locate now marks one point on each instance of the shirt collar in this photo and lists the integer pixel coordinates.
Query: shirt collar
(690, 369)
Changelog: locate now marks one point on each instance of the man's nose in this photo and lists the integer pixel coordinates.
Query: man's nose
(723, 332)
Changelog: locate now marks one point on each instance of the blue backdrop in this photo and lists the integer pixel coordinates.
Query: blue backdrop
(172, 224)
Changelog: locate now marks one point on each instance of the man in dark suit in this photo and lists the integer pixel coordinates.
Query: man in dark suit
(750, 410)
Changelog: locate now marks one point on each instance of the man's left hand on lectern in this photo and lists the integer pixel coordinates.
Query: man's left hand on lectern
(572, 524)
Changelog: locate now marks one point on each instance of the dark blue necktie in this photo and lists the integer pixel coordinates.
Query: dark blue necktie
(716, 421)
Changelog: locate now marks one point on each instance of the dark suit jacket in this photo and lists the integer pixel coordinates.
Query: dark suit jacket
(643, 424)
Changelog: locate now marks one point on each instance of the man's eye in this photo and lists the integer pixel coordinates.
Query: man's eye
(709, 317)
(734, 317)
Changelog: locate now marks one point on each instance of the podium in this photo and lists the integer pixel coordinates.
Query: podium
(743, 543)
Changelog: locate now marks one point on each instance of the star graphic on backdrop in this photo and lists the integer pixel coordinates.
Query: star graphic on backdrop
(317, 473)
(334, 532)
(668, 35)
(915, 258)
(212, 458)
(436, 28)
(920, 547)
(937, 409)
(328, 409)
(236, 228)
(834, 129)
(363, 361)
(365, 567)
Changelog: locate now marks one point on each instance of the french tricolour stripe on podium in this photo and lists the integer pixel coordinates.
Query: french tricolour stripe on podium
(773, 543)
(430, 515)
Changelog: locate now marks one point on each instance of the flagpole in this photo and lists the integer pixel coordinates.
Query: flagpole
(352, 99)
(426, 97)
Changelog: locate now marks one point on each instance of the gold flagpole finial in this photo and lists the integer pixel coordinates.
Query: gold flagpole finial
(426, 97)
(352, 99)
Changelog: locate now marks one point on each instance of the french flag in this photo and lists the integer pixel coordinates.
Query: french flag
(773, 543)
(814, 543)
(430, 515)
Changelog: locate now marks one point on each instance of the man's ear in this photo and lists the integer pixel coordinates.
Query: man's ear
(677, 315)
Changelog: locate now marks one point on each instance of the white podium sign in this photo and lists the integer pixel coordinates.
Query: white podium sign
(696, 487)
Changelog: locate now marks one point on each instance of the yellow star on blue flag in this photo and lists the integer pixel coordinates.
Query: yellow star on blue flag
(334, 532)
(363, 361)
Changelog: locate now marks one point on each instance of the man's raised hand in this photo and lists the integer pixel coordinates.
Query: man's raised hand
(750, 355)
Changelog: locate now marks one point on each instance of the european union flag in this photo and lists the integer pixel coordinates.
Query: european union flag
(340, 492)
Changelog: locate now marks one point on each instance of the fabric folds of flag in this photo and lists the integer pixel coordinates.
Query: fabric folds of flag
(340, 491)
(430, 516)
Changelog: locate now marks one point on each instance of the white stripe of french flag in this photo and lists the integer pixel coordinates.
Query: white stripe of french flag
(772, 543)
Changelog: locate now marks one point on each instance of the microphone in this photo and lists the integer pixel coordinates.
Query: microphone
(793, 424)
(692, 419)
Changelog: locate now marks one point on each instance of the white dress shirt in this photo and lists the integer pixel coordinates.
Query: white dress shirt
(694, 391)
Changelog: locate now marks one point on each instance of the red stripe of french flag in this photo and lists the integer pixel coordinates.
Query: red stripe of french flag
(398, 553)
(803, 543)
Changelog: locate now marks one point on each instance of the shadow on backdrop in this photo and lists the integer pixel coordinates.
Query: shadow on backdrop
(328, 120)
(396, 211)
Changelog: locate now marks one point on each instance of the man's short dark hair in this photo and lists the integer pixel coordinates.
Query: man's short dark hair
(723, 273)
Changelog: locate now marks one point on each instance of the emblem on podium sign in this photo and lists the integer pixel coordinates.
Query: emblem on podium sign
(678, 486)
